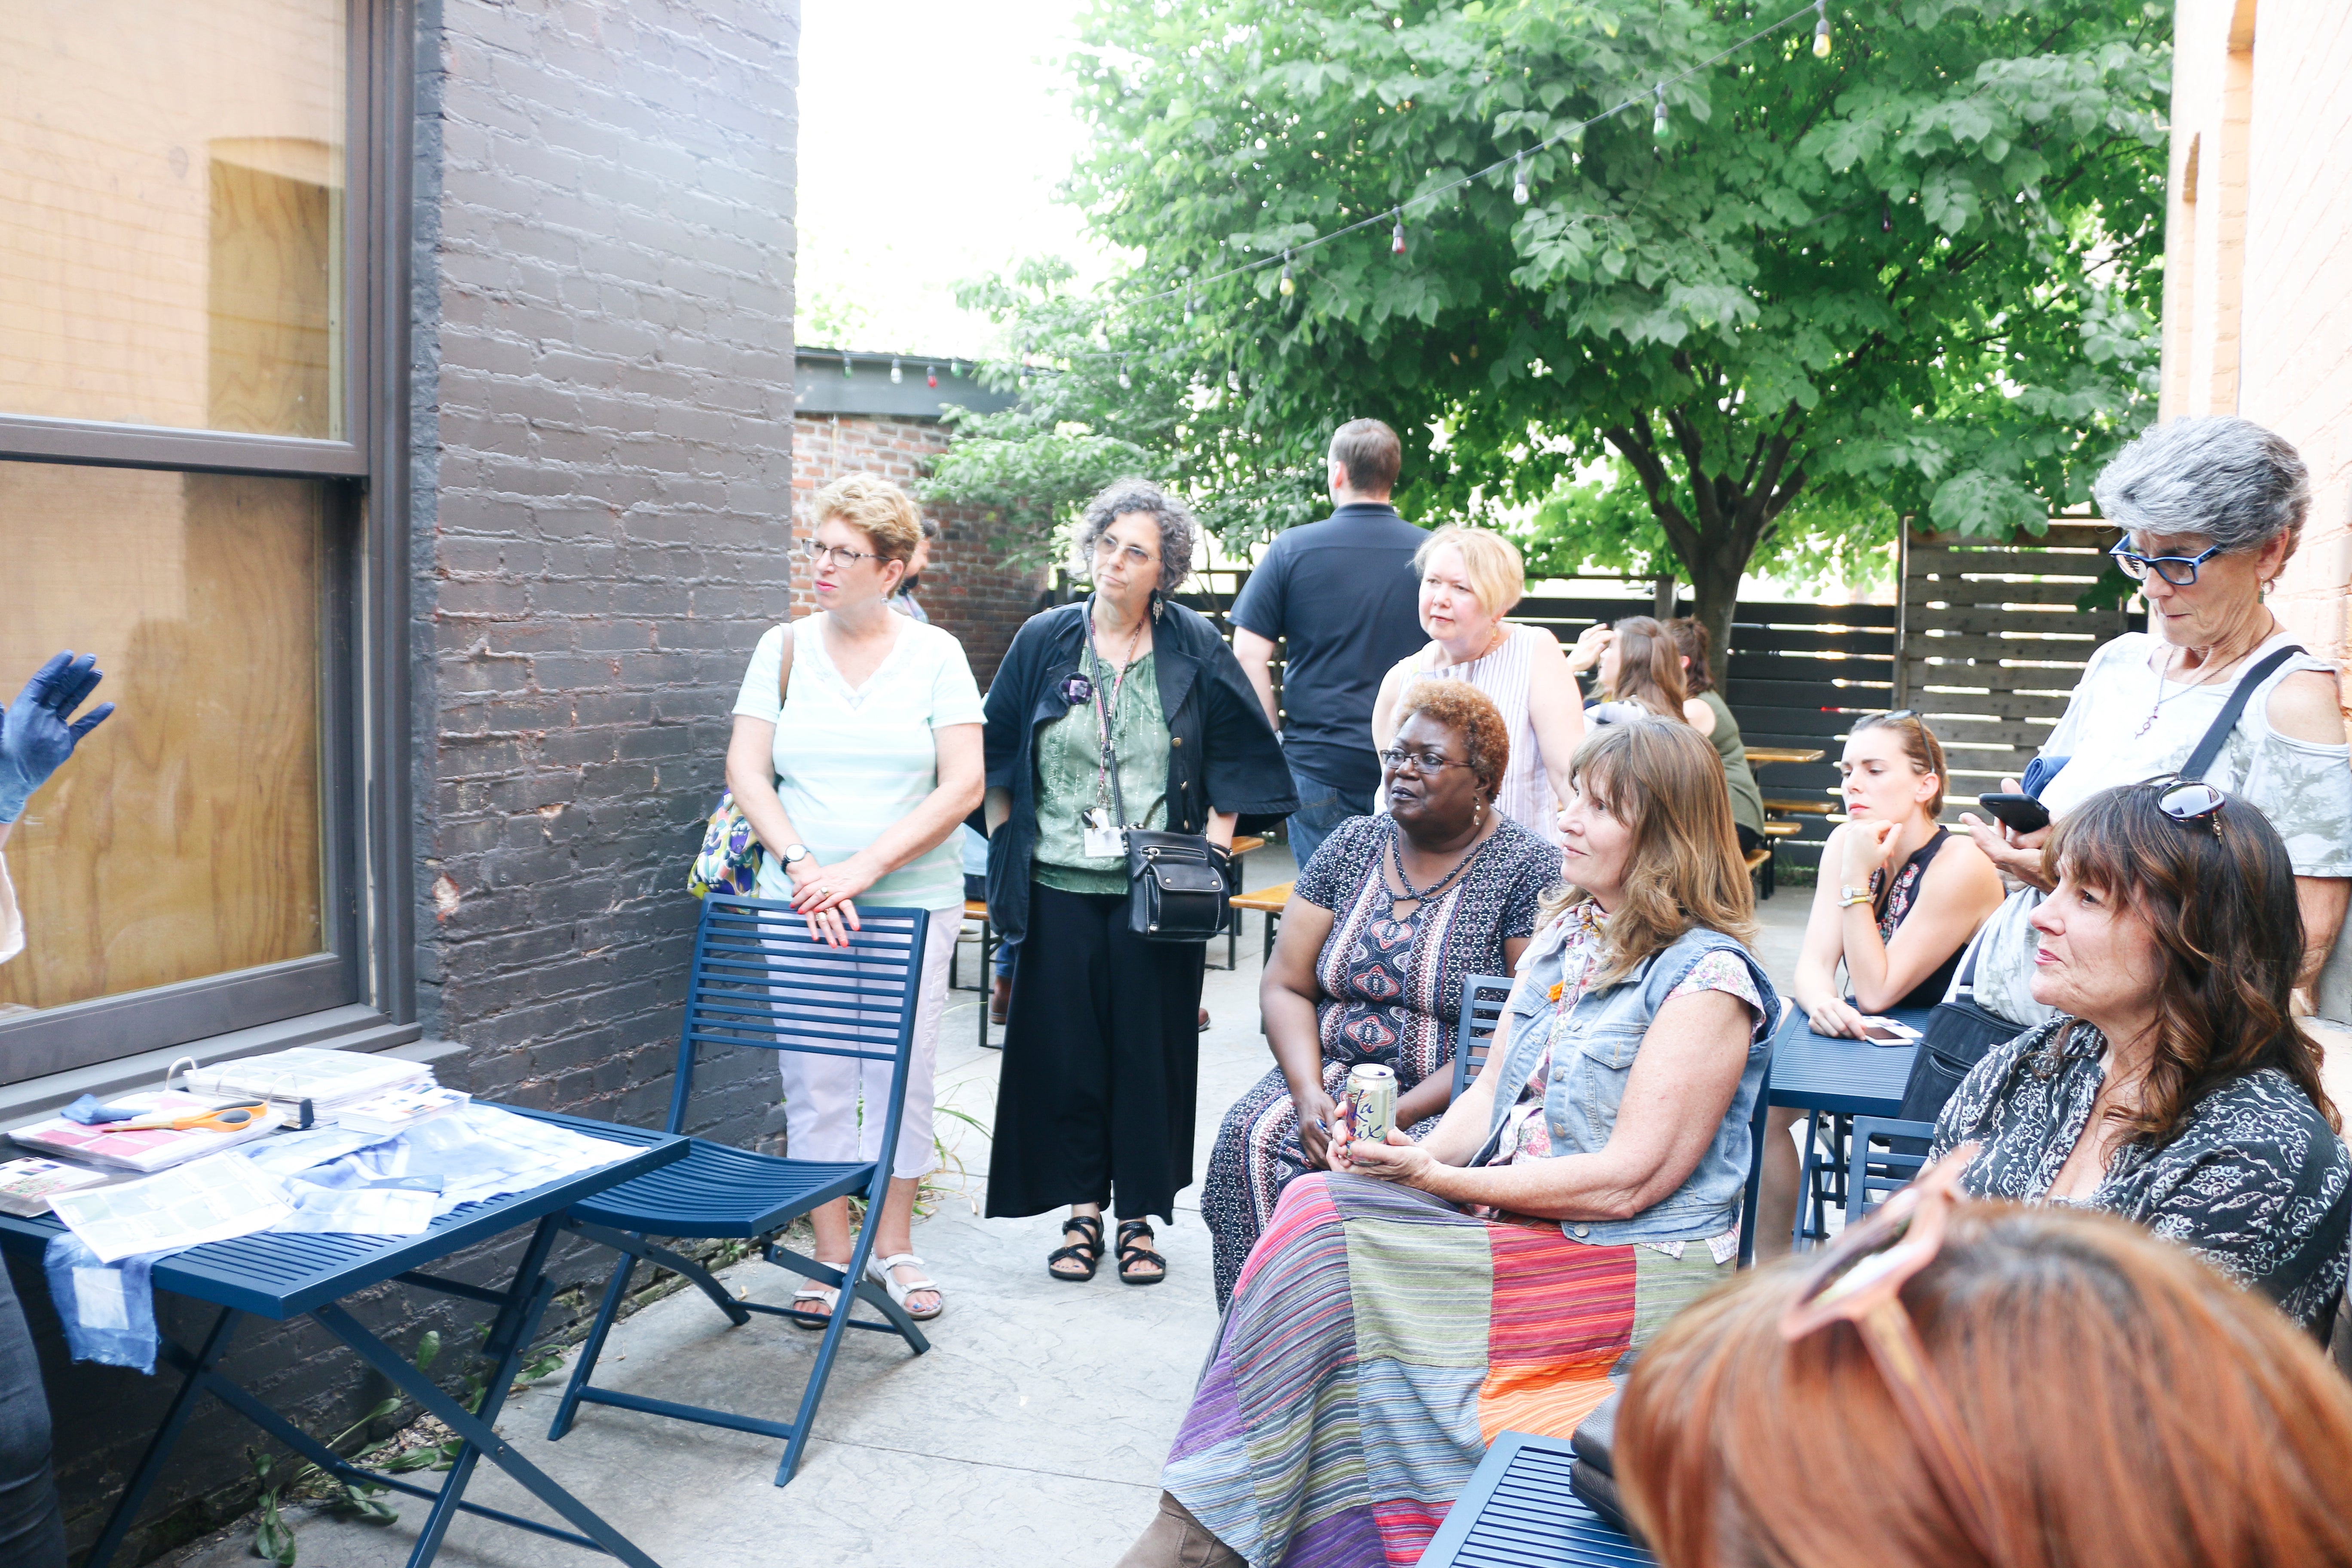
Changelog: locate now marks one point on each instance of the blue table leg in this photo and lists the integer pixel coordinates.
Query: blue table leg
(1805, 1182)
(510, 1334)
(150, 1465)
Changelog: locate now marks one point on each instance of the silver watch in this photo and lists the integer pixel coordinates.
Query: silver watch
(795, 853)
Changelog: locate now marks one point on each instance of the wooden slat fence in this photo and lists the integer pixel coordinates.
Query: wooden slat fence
(1993, 642)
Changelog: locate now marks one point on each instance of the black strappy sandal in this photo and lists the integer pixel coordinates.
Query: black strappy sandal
(1131, 1251)
(1088, 1251)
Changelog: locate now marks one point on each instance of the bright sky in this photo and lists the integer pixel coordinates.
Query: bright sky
(932, 138)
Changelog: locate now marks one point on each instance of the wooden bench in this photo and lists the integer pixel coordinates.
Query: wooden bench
(1267, 901)
(1802, 807)
(1244, 843)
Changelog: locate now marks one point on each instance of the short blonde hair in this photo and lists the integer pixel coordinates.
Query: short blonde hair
(1497, 572)
(876, 508)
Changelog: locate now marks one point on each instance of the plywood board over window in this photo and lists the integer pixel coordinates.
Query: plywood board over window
(182, 840)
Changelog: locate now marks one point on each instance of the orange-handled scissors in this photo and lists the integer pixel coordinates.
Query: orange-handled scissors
(219, 1119)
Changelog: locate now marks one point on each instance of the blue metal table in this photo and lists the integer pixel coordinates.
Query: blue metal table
(1517, 1513)
(284, 1276)
(1825, 1075)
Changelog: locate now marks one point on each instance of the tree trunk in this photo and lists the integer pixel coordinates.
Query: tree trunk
(1715, 590)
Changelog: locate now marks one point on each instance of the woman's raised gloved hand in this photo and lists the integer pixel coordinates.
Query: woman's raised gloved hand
(35, 737)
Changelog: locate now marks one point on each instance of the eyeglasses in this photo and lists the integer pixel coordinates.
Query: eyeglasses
(818, 555)
(1399, 759)
(2187, 803)
(1860, 1281)
(2180, 570)
(1135, 555)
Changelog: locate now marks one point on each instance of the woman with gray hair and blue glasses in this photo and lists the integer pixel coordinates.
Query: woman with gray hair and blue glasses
(2209, 509)
(1101, 1043)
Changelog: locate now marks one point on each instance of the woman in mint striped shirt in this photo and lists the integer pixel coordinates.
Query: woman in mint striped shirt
(855, 781)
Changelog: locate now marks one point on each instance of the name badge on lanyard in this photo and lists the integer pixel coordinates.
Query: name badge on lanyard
(1104, 840)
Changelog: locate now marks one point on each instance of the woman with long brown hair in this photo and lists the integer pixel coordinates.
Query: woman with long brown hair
(1639, 670)
(2175, 1088)
(1416, 1299)
(2074, 1396)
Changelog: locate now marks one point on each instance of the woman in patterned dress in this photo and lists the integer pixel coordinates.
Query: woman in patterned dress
(1382, 929)
(1470, 579)
(1417, 1299)
(2176, 1087)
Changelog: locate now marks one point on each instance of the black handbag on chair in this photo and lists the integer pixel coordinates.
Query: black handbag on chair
(1177, 886)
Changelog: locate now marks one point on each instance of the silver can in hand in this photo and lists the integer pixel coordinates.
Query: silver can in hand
(1371, 1101)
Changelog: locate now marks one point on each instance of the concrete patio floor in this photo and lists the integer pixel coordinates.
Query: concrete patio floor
(1031, 1433)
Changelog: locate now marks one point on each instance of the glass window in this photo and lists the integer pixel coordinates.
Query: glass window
(184, 838)
(172, 213)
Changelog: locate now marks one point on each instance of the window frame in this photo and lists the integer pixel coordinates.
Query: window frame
(367, 904)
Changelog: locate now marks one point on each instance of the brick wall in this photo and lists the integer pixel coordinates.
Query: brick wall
(601, 456)
(967, 589)
(2261, 99)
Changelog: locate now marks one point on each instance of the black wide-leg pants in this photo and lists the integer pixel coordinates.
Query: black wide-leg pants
(1102, 1064)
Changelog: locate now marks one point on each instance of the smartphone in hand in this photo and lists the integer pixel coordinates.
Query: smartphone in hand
(2021, 812)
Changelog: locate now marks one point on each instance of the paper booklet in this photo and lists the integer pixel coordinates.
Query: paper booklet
(213, 1200)
(326, 1078)
(144, 1151)
(398, 1109)
(27, 1187)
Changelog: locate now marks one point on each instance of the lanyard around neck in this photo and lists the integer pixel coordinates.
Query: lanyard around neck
(1106, 756)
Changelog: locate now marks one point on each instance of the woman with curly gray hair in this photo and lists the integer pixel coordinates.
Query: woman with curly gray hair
(2209, 509)
(1101, 1047)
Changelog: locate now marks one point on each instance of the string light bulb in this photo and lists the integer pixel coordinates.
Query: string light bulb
(955, 368)
(1124, 382)
(1519, 181)
(897, 375)
(846, 372)
(1658, 120)
(1288, 287)
(1188, 309)
(1396, 236)
(930, 375)
(1821, 29)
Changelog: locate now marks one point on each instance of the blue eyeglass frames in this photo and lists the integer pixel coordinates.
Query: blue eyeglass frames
(2180, 570)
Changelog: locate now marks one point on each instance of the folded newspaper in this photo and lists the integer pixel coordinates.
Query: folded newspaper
(208, 1200)
(326, 1078)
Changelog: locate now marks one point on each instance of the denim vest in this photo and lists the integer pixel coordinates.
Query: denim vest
(1592, 1057)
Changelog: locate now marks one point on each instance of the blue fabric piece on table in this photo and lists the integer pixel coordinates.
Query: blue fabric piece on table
(91, 1111)
(107, 1309)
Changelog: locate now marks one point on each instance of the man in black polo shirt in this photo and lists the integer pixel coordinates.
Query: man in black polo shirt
(1344, 595)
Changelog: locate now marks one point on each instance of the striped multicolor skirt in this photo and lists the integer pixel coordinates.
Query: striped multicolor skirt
(1379, 1340)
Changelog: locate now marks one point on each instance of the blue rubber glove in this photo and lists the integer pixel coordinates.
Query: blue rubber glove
(34, 737)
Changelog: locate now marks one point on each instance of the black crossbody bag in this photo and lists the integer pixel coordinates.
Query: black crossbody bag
(1175, 881)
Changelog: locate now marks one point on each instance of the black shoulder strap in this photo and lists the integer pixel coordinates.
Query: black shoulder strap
(2193, 770)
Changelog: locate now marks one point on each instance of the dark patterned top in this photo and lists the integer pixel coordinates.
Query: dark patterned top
(1393, 988)
(2254, 1183)
(1908, 878)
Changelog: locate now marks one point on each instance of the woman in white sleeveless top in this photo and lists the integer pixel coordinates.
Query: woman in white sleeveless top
(1470, 579)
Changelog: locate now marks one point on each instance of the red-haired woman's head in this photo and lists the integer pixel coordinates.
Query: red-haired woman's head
(2131, 1409)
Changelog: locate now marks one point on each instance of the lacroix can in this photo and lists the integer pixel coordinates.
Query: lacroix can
(1371, 1101)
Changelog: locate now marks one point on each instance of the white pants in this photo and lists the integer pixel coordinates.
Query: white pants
(822, 1118)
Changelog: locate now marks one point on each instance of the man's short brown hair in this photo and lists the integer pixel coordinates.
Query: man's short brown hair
(1371, 453)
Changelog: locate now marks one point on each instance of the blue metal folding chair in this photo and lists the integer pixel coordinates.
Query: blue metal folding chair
(1874, 1175)
(1483, 996)
(761, 980)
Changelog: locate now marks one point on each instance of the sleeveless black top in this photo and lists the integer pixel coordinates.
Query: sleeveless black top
(1894, 899)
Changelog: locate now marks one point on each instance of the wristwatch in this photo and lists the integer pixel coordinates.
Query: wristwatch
(1852, 895)
(795, 853)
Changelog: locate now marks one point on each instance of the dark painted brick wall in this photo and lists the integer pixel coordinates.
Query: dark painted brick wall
(601, 456)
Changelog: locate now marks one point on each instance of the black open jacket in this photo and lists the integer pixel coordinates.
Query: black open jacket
(1221, 754)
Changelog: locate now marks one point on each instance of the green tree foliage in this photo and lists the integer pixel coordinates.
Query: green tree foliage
(1917, 278)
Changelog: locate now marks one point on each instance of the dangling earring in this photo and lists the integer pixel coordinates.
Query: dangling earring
(1159, 604)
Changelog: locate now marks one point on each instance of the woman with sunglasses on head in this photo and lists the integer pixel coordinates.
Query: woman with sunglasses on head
(2210, 510)
(1415, 1297)
(1393, 913)
(2175, 1087)
(1978, 1385)
(854, 764)
(1123, 711)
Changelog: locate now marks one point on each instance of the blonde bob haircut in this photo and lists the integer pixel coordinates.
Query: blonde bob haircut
(1666, 783)
(876, 508)
(1497, 572)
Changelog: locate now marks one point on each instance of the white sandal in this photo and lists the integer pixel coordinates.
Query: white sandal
(827, 1294)
(883, 1271)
